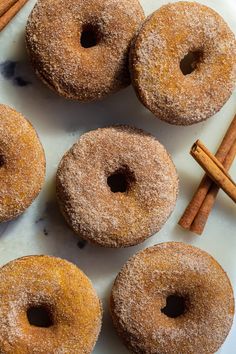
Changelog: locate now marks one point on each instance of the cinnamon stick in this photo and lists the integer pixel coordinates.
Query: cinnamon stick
(194, 206)
(214, 169)
(10, 13)
(5, 5)
(200, 221)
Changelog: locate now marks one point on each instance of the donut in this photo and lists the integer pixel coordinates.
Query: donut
(48, 305)
(116, 186)
(183, 63)
(80, 48)
(172, 298)
(22, 164)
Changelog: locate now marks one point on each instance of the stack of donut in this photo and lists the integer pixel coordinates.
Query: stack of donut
(117, 185)
(182, 58)
(170, 298)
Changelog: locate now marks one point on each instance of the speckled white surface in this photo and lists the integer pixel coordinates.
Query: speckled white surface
(42, 230)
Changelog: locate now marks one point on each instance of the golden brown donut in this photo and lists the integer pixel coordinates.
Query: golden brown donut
(117, 186)
(48, 305)
(172, 298)
(183, 63)
(22, 164)
(79, 48)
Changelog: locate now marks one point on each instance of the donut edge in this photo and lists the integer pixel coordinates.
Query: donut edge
(19, 212)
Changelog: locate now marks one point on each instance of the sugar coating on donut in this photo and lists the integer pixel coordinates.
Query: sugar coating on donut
(166, 39)
(22, 164)
(139, 301)
(130, 215)
(54, 41)
(63, 292)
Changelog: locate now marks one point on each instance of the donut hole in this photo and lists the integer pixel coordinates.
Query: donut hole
(40, 316)
(121, 180)
(190, 62)
(90, 36)
(2, 160)
(175, 306)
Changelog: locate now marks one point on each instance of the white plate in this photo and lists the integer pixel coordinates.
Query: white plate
(42, 230)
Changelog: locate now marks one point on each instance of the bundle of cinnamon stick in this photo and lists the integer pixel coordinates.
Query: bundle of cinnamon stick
(216, 167)
(8, 9)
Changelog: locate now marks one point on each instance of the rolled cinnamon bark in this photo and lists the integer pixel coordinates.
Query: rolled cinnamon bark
(5, 5)
(206, 184)
(202, 216)
(214, 169)
(10, 13)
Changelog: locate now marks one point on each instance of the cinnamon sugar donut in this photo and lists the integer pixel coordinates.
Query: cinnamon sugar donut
(47, 305)
(22, 164)
(116, 186)
(172, 298)
(183, 63)
(79, 48)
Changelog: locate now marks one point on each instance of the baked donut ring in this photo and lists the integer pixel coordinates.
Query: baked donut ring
(79, 48)
(183, 63)
(48, 305)
(22, 164)
(172, 298)
(116, 186)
